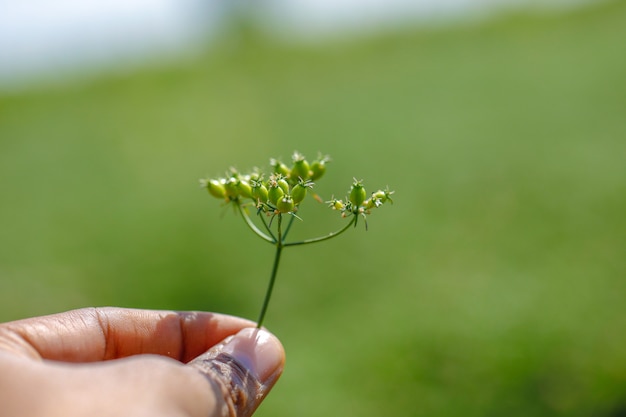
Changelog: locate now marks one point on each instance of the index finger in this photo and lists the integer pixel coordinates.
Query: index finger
(95, 334)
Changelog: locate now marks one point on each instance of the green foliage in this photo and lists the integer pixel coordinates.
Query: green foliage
(501, 289)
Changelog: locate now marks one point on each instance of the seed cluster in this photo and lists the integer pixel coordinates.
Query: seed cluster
(280, 192)
(284, 189)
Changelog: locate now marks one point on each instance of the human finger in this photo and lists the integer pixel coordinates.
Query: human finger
(241, 371)
(94, 334)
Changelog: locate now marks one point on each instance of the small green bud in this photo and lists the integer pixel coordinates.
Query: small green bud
(383, 196)
(298, 193)
(282, 183)
(371, 203)
(279, 168)
(215, 188)
(231, 187)
(318, 167)
(336, 204)
(244, 188)
(357, 193)
(299, 190)
(380, 195)
(300, 167)
(259, 191)
(274, 192)
(285, 204)
(255, 175)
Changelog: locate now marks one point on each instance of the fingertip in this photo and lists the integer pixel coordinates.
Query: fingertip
(244, 368)
(259, 351)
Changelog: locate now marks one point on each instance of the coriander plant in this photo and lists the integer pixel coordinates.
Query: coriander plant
(275, 198)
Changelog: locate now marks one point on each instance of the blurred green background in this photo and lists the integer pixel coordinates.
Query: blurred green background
(493, 286)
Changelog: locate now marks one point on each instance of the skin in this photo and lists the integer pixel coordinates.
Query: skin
(125, 362)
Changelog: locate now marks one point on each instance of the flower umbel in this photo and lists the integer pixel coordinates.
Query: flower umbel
(280, 192)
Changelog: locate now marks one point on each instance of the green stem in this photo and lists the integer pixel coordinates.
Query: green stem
(322, 238)
(291, 219)
(269, 231)
(270, 287)
(280, 244)
(252, 226)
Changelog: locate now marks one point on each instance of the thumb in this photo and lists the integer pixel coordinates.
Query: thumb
(241, 370)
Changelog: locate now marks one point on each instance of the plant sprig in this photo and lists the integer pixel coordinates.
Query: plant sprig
(279, 194)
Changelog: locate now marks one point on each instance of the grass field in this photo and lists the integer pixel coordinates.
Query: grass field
(494, 286)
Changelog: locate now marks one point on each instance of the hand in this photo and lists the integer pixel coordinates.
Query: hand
(124, 362)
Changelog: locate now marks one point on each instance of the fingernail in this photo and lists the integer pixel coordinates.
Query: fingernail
(243, 369)
(258, 351)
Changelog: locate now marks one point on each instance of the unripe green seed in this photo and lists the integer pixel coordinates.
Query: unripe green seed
(357, 194)
(244, 189)
(216, 188)
(259, 192)
(231, 188)
(318, 168)
(336, 204)
(274, 193)
(371, 203)
(383, 196)
(279, 168)
(282, 183)
(298, 192)
(380, 195)
(254, 176)
(300, 167)
(285, 204)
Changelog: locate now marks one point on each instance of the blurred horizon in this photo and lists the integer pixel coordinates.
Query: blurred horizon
(45, 43)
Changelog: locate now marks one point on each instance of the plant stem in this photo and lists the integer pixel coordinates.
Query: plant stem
(270, 287)
(279, 242)
(291, 219)
(253, 227)
(322, 238)
(269, 231)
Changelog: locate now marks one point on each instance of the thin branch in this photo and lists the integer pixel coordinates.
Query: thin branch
(270, 287)
(291, 219)
(269, 230)
(253, 226)
(326, 237)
